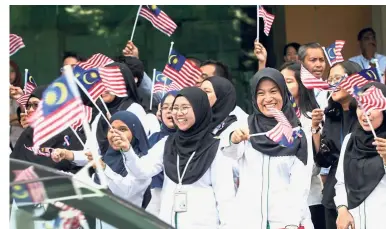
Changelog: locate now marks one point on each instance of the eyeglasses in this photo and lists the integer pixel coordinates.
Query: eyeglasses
(335, 80)
(183, 110)
(33, 105)
(165, 108)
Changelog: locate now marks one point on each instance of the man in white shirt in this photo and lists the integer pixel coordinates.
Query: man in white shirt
(368, 46)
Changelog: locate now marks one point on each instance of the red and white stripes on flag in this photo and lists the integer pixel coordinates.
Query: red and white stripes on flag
(283, 127)
(113, 80)
(70, 218)
(338, 51)
(96, 61)
(310, 81)
(58, 121)
(355, 79)
(267, 18)
(15, 44)
(161, 21)
(372, 99)
(185, 77)
(35, 189)
(23, 100)
(87, 117)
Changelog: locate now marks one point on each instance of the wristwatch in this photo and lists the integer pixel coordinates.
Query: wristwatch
(315, 130)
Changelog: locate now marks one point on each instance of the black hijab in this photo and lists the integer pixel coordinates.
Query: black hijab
(363, 166)
(225, 104)
(118, 104)
(23, 147)
(197, 138)
(259, 123)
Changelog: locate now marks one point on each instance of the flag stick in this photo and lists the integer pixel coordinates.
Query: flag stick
(25, 80)
(25, 87)
(257, 134)
(96, 106)
(87, 130)
(371, 125)
(328, 58)
(77, 136)
(330, 96)
(152, 90)
(105, 106)
(378, 70)
(257, 23)
(170, 52)
(135, 23)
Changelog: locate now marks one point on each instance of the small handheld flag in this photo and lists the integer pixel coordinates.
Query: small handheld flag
(359, 79)
(334, 52)
(158, 19)
(15, 44)
(95, 61)
(310, 81)
(32, 192)
(283, 129)
(267, 18)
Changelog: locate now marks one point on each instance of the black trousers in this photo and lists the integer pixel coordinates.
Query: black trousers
(331, 215)
(318, 216)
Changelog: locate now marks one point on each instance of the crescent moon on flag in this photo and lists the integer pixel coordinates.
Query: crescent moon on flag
(18, 192)
(30, 79)
(92, 74)
(173, 59)
(52, 98)
(329, 53)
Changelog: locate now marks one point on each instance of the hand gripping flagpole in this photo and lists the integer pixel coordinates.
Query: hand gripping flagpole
(152, 89)
(257, 24)
(135, 23)
(82, 176)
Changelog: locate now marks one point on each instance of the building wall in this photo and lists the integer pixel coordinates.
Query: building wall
(325, 24)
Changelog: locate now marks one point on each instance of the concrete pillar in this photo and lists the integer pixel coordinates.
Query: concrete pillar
(379, 25)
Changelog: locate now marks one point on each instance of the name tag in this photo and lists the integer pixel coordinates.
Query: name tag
(180, 201)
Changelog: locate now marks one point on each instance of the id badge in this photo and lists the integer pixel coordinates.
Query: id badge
(180, 201)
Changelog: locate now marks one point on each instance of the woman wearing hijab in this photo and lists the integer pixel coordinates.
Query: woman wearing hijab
(66, 139)
(15, 81)
(361, 180)
(120, 180)
(167, 128)
(340, 119)
(114, 104)
(222, 99)
(197, 192)
(272, 191)
(306, 102)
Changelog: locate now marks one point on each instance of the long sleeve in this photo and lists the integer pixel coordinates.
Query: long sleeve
(223, 185)
(298, 190)
(125, 187)
(80, 158)
(340, 188)
(234, 151)
(148, 165)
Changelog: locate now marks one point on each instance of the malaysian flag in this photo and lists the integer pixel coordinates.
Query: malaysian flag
(28, 89)
(359, 79)
(56, 111)
(294, 105)
(33, 192)
(163, 83)
(310, 81)
(113, 80)
(158, 19)
(90, 80)
(181, 71)
(69, 217)
(282, 129)
(15, 44)
(267, 18)
(95, 61)
(334, 52)
(371, 99)
(87, 117)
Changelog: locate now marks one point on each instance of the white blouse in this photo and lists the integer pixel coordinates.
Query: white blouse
(209, 199)
(371, 212)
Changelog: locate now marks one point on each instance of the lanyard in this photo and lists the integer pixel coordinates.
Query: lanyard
(186, 166)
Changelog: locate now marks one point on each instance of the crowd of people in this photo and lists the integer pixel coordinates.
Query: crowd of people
(194, 161)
